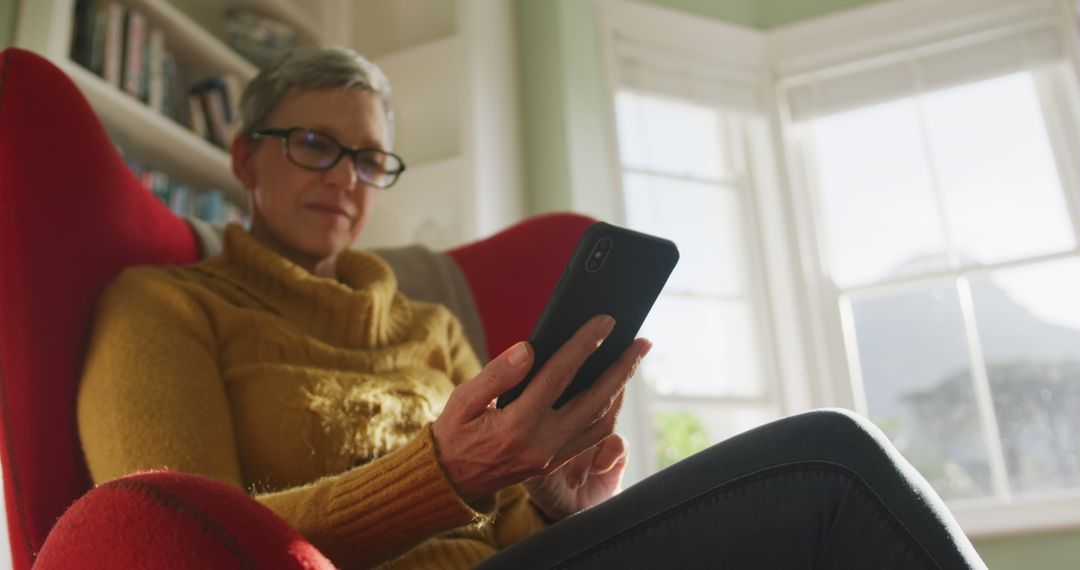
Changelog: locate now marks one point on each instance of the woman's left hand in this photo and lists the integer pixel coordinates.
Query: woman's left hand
(586, 480)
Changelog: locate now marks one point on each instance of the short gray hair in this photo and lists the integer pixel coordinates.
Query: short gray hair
(311, 68)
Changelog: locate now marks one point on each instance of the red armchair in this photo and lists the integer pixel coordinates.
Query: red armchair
(72, 217)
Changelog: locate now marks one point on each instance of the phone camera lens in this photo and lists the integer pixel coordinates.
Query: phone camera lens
(598, 255)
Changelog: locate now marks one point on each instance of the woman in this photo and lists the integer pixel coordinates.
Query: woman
(292, 368)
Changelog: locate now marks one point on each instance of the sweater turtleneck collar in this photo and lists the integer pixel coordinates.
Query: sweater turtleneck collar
(360, 309)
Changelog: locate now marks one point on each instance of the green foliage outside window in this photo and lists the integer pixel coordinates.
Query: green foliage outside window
(678, 435)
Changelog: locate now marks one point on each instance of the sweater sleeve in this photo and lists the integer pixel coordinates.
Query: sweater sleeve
(517, 518)
(152, 397)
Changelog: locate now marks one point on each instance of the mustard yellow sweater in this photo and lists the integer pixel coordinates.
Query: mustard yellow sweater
(313, 395)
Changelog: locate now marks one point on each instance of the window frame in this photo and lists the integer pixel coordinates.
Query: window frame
(859, 38)
(738, 183)
(807, 334)
(674, 40)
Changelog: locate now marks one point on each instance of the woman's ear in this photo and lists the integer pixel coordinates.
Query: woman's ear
(243, 160)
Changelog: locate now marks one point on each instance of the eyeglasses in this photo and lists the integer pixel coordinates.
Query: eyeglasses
(317, 151)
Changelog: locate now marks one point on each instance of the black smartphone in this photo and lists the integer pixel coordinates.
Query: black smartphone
(613, 271)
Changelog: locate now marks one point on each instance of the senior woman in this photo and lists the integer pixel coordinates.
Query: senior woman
(291, 367)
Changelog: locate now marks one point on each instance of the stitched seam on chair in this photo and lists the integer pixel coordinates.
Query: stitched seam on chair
(208, 524)
(5, 408)
(728, 486)
(9, 442)
(3, 76)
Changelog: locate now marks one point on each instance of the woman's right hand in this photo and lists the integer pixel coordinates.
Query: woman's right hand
(483, 448)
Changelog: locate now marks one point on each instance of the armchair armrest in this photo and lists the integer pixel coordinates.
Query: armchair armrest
(167, 519)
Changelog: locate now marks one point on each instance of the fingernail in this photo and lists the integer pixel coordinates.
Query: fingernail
(604, 326)
(646, 348)
(517, 354)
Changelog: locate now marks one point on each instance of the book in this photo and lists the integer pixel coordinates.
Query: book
(159, 185)
(168, 87)
(215, 106)
(209, 206)
(155, 66)
(196, 116)
(100, 27)
(234, 87)
(114, 43)
(134, 46)
(82, 32)
(176, 91)
(178, 198)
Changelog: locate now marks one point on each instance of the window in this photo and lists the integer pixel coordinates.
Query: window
(684, 177)
(922, 265)
(943, 198)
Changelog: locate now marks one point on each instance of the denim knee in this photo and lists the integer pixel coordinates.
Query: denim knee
(843, 424)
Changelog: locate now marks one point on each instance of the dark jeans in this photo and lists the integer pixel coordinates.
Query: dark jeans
(823, 489)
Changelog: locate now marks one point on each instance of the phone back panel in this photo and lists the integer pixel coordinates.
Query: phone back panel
(625, 286)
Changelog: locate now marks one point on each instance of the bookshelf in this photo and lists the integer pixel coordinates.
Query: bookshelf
(160, 140)
(192, 31)
(452, 64)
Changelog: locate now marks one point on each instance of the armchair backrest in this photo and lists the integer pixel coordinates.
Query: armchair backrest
(512, 273)
(72, 217)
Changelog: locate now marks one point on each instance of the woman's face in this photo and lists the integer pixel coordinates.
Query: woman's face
(311, 216)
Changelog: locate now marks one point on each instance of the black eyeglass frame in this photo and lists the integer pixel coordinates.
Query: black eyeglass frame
(343, 150)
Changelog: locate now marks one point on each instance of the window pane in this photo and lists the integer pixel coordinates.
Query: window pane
(702, 347)
(680, 432)
(915, 368)
(670, 136)
(876, 194)
(678, 436)
(1029, 324)
(996, 169)
(704, 221)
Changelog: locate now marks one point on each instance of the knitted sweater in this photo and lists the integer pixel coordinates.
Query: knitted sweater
(313, 395)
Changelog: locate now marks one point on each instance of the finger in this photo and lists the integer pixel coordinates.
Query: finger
(592, 435)
(610, 452)
(501, 374)
(592, 404)
(557, 373)
(577, 469)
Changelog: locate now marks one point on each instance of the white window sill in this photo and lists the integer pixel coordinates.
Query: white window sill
(983, 519)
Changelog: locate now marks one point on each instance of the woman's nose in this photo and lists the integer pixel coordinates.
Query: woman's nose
(342, 175)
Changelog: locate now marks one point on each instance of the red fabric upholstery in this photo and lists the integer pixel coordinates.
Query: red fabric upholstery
(512, 273)
(72, 217)
(168, 520)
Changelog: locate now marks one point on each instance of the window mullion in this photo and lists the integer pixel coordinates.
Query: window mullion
(1056, 115)
(729, 182)
(757, 281)
(834, 365)
(984, 400)
(901, 283)
(660, 399)
(849, 339)
(936, 189)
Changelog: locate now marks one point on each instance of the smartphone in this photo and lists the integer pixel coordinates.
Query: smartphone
(613, 271)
